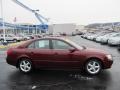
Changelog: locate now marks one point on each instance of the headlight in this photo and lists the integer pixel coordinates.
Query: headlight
(109, 57)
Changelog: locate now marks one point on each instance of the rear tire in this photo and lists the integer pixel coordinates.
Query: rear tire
(25, 66)
(93, 67)
(2, 40)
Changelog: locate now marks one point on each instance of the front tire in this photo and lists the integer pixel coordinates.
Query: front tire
(25, 66)
(93, 67)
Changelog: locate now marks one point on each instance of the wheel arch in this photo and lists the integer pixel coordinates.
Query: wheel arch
(96, 58)
(21, 58)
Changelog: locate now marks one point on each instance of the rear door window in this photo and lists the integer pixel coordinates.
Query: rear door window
(42, 44)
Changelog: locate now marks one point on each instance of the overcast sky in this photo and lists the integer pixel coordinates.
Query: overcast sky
(64, 11)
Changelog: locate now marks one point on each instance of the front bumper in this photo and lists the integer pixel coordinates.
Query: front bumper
(104, 41)
(107, 64)
(113, 43)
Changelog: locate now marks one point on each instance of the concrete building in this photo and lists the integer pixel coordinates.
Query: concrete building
(80, 28)
(66, 28)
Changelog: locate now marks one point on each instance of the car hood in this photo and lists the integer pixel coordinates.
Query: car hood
(115, 38)
(94, 51)
(105, 37)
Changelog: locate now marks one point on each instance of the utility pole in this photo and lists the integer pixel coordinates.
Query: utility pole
(3, 23)
(28, 32)
(41, 19)
(113, 27)
(35, 29)
(15, 27)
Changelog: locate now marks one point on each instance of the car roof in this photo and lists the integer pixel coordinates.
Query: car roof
(43, 38)
(58, 38)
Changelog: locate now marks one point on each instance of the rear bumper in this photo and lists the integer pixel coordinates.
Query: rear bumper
(10, 61)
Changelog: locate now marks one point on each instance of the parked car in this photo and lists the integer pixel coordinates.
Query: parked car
(83, 36)
(55, 35)
(24, 37)
(10, 37)
(36, 36)
(87, 35)
(74, 33)
(119, 47)
(99, 38)
(90, 37)
(94, 36)
(114, 40)
(57, 53)
(104, 39)
(30, 36)
(63, 34)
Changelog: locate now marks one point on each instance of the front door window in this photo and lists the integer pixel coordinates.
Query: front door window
(57, 44)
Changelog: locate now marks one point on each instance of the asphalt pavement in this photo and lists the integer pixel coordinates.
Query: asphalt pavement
(0, 43)
(12, 79)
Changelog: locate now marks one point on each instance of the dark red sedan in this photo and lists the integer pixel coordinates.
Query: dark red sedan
(57, 53)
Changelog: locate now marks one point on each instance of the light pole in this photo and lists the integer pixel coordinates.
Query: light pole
(28, 30)
(35, 29)
(3, 24)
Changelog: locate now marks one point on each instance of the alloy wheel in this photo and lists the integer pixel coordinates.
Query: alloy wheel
(25, 66)
(93, 67)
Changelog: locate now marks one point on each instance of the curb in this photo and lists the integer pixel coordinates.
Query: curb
(10, 45)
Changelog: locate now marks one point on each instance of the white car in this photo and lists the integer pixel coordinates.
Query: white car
(23, 37)
(105, 38)
(99, 38)
(92, 36)
(26, 38)
(10, 37)
(97, 35)
(85, 35)
(114, 40)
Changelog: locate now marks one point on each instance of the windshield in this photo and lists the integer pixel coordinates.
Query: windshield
(117, 35)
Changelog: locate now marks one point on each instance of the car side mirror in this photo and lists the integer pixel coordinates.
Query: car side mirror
(84, 47)
(72, 50)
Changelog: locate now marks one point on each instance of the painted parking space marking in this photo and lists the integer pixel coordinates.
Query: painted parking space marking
(10, 45)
